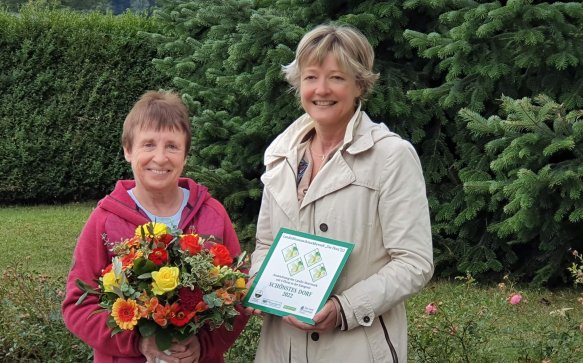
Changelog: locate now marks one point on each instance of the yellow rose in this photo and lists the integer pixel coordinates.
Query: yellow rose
(110, 281)
(165, 280)
(240, 283)
(152, 229)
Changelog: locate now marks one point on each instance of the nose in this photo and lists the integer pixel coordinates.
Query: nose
(322, 86)
(160, 155)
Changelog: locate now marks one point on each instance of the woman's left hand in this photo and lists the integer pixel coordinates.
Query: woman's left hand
(325, 319)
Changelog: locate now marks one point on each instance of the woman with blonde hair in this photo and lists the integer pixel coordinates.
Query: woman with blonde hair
(335, 173)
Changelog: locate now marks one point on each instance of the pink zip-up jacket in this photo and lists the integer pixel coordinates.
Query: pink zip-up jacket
(117, 216)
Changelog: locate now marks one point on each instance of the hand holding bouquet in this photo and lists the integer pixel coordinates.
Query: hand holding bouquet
(168, 284)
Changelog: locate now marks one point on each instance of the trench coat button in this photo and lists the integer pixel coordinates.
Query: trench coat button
(315, 336)
(323, 227)
(366, 319)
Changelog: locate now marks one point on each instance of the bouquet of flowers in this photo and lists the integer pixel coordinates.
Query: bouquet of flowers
(168, 284)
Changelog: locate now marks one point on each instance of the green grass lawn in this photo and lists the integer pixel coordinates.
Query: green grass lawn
(46, 234)
(473, 323)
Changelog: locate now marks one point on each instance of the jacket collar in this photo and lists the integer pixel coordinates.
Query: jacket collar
(281, 161)
(121, 204)
(361, 134)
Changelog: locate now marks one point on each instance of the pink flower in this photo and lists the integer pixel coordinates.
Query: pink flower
(515, 299)
(431, 309)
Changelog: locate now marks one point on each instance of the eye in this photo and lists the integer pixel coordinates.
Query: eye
(172, 147)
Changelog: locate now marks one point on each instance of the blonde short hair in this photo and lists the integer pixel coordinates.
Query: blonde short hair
(349, 47)
(158, 111)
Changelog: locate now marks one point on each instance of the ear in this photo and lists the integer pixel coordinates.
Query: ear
(360, 90)
(127, 154)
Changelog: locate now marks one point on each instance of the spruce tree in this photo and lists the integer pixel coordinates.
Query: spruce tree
(535, 182)
(483, 51)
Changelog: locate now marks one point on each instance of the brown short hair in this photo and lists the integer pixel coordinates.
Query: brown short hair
(348, 45)
(158, 110)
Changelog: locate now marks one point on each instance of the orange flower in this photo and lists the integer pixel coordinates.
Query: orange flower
(162, 314)
(125, 313)
(227, 298)
(128, 260)
(149, 305)
(133, 242)
(201, 306)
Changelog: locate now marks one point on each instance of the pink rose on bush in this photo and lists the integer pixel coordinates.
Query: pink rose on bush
(515, 299)
(431, 309)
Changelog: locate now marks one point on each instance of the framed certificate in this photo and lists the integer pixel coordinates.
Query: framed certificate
(297, 275)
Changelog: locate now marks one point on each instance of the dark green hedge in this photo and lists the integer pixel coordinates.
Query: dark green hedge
(68, 80)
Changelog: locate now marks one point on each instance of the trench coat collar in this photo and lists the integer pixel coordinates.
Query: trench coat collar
(281, 160)
(286, 143)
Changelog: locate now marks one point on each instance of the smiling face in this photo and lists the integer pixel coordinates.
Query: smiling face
(157, 158)
(328, 93)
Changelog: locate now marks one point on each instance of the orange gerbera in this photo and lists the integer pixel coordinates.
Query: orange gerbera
(125, 313)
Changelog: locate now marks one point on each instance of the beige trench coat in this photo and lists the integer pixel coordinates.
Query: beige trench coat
(371, 193)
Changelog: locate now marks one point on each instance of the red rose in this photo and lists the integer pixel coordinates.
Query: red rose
(158, 256)
(221, 254)
(189, 298)
(190, 243)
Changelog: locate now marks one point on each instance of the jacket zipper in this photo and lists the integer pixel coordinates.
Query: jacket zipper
(391, 347)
